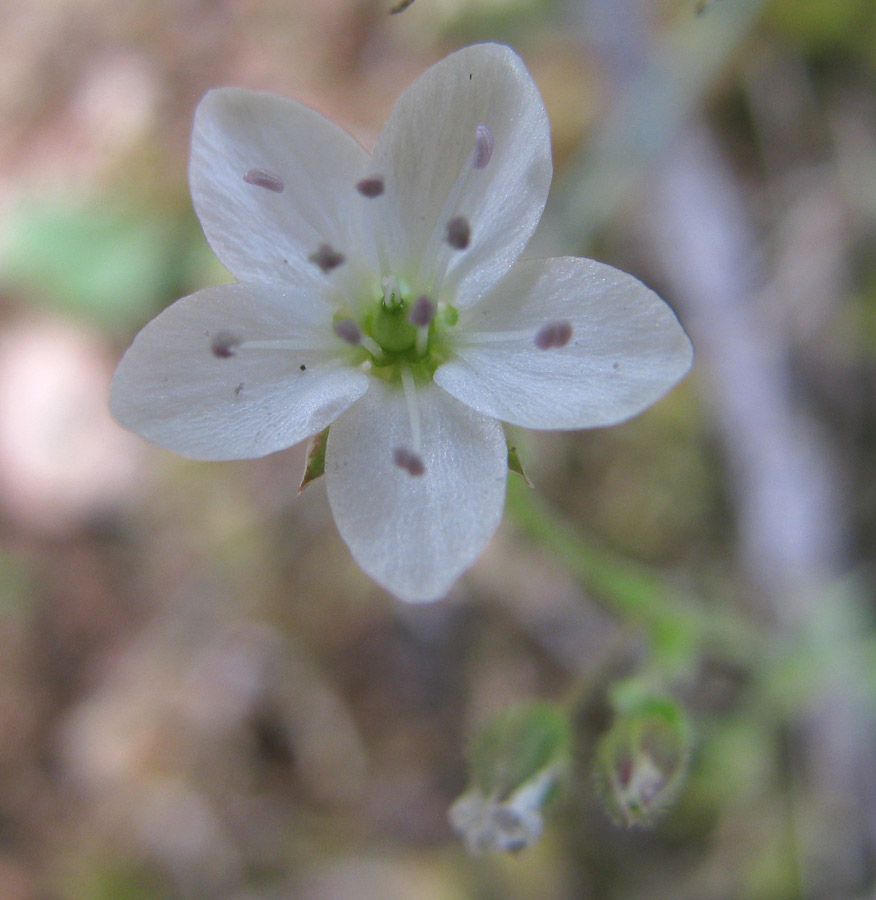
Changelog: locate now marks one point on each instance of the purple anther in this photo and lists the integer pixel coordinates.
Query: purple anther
(261, 178)
(553, 334)
(327, 258)
(416, 467)
(483, 151)
(422, 311)
(412, 463)
(224, 344)
(348, 330)
(371, 187)
(458, 233)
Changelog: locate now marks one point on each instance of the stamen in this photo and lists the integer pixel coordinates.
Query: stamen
(458, 233)
(453, 230)
(295, 346)
(224, 344)
(553, 334)
(261, 178)
(348, 330)
(413, 408)
(327, 258)
(370, 187)
(483, 150)
(422, 311)
(408, 461)
(421, 314)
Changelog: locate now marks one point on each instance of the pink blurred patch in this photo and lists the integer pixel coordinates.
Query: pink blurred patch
(63, 460)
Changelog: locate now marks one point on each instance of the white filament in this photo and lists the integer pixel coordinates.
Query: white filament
(413, 408)
(436, 254)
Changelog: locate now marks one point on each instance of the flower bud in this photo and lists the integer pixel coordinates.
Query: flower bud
(641, 761)
(518, 761)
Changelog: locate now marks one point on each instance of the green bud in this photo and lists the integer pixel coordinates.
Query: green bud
(642, 760)
(518, 761)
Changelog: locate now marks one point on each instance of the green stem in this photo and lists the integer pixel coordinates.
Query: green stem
(680, 627)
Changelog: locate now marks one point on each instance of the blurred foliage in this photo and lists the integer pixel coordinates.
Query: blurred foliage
(101, 261)
(837, 27)
(507, 22)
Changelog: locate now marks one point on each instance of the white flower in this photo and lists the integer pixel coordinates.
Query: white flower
(510, 824)
(383, 295)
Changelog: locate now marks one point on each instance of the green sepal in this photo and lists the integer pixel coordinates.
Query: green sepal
(517, 746)
(514, 462)
(314, 467)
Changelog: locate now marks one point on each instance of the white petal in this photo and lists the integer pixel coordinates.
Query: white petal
(428, 141)
(627, 347)
(172, 389)
(256, 232)
(415, 534)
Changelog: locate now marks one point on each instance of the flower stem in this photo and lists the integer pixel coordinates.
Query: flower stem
(680, 626)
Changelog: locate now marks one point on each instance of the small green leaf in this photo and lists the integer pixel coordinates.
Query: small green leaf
(518, 745)
(315, 464)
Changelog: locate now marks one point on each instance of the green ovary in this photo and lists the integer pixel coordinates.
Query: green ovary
(389, 326)
(391, 329)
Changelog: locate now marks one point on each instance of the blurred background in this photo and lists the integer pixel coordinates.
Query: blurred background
(201, 696)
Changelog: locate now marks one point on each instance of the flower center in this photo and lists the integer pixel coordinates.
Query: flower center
(399, 331)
